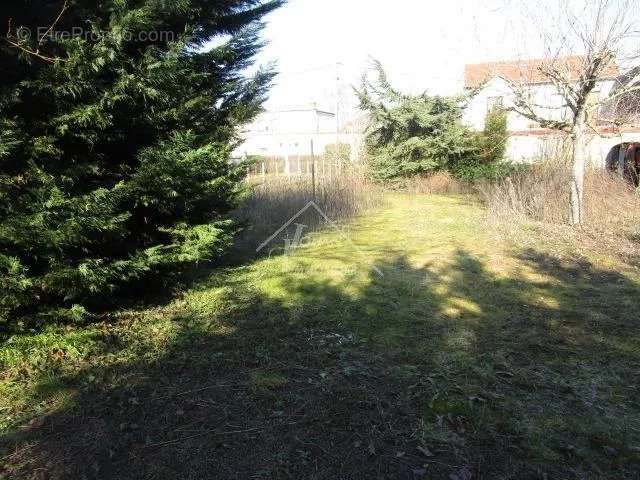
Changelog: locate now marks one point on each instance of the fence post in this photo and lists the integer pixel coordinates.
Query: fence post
(287, 164)
(313, 171)
(262, 171)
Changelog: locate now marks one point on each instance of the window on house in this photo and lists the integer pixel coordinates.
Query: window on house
(494, 102)
(558, 100)
(563, 111)
(530, 94)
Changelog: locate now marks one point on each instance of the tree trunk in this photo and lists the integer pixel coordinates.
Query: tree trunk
(622, 156)
(579, 163)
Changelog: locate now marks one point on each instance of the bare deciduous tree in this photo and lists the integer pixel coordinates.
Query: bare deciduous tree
(582, 44)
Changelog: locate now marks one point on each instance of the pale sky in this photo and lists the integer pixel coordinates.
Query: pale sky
(423, 44)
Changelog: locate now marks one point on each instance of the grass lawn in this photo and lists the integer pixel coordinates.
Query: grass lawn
(473, 356)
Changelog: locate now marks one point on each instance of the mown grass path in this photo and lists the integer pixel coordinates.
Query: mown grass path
(469, 357)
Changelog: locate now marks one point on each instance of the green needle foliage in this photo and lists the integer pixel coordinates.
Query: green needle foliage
(114, 143)
(495, 136)
(411, 134)
(490, 146)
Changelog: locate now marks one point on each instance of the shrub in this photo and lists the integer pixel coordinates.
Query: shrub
(340, 152)
(541, 192)
(410, 134)
(485, 159)
(493, 139)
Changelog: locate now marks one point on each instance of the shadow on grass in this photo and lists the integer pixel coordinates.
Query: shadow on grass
(493, 376)
(258, 217)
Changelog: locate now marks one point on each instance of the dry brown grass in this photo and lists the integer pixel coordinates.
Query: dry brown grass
(274, 201)
(539, 193)
(611, 203)
(542, 193)
(437, 183)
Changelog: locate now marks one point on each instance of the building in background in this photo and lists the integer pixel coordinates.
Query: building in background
(527, 140)
(290, 132)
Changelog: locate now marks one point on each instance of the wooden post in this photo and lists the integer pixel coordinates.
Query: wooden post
(313, 171)
(262, 171)
(287, 165)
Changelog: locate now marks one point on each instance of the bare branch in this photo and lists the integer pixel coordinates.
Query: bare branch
(524, 107)
(23, 45)
(563, 84)
(33, 53)
(65, 6)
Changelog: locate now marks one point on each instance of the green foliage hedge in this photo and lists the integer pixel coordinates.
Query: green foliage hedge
(410, 134)
(487, 151)
(114, 149)
(417, 134)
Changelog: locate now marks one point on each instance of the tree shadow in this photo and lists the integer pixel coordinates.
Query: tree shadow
(499, 375)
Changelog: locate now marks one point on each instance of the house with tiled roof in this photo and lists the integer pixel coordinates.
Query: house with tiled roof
(530, 71)
(493, 86)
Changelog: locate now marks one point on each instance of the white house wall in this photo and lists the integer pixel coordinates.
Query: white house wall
(290, 132)
(293, 144)
(293, 121)
(550, 103)
(524, 144)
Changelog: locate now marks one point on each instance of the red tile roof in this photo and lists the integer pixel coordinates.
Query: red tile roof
(528, 71)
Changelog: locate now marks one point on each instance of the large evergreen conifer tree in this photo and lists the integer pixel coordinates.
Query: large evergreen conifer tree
(115, 134)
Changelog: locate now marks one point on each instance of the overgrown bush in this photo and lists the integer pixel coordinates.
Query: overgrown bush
(114, 147)
(410, 134)
(486, 158)
(417, 135)
(539, 192)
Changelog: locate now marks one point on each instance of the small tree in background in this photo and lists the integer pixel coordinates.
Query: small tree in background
(493, 141)
(410, 135)
(487, 157)
(114, 144)
(602, 32)
(340, 152)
